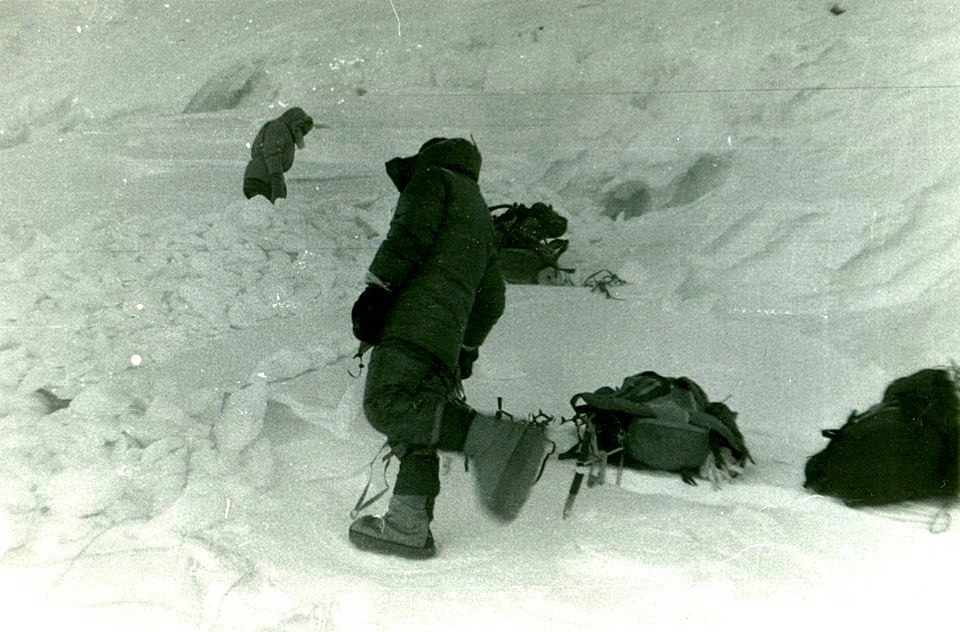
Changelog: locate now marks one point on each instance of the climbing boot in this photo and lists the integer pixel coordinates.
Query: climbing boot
(505, 455)
(403, 531)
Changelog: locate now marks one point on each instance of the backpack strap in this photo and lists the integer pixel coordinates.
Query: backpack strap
(700, 398)
(709, 422)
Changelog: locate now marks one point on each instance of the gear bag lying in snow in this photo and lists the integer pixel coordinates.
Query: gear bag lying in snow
(529, 250)
(660, 423)
(904, 448)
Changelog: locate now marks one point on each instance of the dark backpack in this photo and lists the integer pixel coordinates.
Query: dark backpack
(660, 423)
(903, 448)
(529, 250)
(524, 227)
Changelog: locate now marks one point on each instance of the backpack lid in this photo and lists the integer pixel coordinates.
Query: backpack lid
(608, 401)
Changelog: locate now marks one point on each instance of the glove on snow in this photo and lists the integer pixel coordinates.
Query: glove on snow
(370, 312)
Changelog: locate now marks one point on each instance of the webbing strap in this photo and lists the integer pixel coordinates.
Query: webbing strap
(709, 422)
(620, 467)
(597, 474)
(363, 502)
(543, 465)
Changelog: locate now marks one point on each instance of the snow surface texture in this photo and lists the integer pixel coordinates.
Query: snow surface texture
(777, 182)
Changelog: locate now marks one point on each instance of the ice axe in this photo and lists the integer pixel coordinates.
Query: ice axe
(584, 463)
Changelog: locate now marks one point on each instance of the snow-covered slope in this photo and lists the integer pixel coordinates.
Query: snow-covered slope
(776, 182)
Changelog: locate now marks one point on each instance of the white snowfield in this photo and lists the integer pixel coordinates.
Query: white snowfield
(777, 183)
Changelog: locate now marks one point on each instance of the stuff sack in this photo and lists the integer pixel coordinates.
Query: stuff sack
(660, 423)
(529, 248)
(903, 448)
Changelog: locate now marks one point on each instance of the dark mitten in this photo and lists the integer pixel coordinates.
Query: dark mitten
(467, 357)
(370, 313)
(278, 188)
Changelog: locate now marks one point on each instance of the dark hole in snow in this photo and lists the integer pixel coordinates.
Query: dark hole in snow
(49, 401)
(228, 89)
(631, 198)
(704, 175)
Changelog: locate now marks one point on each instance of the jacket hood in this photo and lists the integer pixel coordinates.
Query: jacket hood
(455, 154)
(298, 122)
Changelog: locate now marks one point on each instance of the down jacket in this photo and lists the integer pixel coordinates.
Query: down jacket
(275, 144)
(439, 255)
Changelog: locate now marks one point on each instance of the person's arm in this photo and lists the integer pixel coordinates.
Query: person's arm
(413, 230)
(276, 140)
(410, 239)
(487, 309)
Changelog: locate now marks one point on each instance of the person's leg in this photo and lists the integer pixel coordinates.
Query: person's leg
(408, 397)
(404, 399)
(404, 529)
(419, 475)
(253, 187)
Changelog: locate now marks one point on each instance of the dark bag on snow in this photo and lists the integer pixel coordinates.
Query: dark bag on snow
(661, 423)
(529, 250)
(904, 448)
